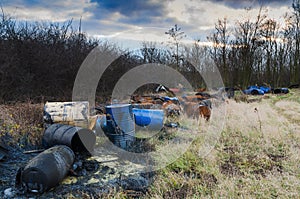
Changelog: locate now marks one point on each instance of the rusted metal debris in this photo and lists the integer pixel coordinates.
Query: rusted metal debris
(194, 106)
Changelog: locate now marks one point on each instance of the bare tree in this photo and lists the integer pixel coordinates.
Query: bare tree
(292, 37)
(269, 34)
(220, 40)
(248, 41)
(176, 35)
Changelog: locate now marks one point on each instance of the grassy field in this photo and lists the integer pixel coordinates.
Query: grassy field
(256, 155)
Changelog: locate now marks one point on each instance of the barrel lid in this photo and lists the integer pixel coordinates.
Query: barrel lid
(34, 180)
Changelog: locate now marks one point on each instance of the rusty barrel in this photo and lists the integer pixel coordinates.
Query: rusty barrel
(47, 169)
(79, 139)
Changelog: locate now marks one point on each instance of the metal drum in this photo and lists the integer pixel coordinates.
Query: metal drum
(79, 139)
(46, 169)
(120, 125)
(150, 119)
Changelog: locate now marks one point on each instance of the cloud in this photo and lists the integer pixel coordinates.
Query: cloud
(131, 8)
(251, 3)
(54, 10)
(139, 19)
(133, 11)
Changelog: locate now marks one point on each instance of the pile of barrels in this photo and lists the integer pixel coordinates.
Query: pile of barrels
(47, 169)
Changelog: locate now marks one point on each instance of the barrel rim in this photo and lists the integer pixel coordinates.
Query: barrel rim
(147, 110)
(117, 105)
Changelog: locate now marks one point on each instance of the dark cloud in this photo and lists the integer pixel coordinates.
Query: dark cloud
(130, 7)
(252, 3)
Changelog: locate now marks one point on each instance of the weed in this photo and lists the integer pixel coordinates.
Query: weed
(22, 121)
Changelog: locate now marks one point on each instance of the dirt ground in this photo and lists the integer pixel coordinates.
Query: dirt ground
(95, 177)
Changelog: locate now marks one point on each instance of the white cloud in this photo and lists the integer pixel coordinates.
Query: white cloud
(197, 18)
(54, 10)
(202, 15)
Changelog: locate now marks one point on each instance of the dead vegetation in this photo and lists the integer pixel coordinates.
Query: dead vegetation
(257, 156)
(23, 122)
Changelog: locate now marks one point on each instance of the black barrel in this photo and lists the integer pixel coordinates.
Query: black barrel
(79, 139)
(47, 169)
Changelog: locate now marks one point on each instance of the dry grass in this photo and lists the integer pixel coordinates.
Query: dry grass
(23, 122)
(257, 155)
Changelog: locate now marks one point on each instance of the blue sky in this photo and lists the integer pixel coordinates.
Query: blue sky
(138, 20)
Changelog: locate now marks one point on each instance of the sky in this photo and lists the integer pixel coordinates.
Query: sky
(130, 22)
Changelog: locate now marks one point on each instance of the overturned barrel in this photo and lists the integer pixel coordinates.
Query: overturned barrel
(120, 125)
(79, 139)
(150, 119)
(47, 169)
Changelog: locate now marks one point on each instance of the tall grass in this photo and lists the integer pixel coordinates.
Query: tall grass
(257, 156)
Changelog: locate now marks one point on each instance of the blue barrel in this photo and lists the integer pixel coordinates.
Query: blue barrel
(151, 119)
(120, 125)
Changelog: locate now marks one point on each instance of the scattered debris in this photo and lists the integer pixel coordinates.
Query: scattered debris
(202, 95)
(204, 112)
(171, 109)
(281, 91)
(9, 193)
(229, 92)
(294, 86)
(172, 124)
(195, 110)
(136, 183)
(34, 151)
(254, 90)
